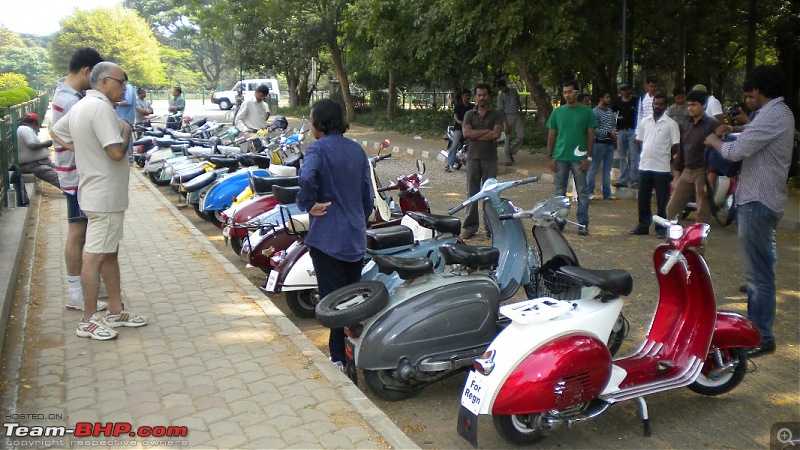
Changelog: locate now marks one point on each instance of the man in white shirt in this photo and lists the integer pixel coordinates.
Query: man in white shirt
(644, 111)
(34, 155)
(254, 112)
(659, 138)
(100, 140)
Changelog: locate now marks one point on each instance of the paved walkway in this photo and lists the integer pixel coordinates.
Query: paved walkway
(217, 356)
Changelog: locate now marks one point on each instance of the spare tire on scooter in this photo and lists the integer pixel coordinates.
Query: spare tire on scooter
(352, 304)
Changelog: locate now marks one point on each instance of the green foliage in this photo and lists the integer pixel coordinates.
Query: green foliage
(12, 80)
(9, 40)
(429, 123)
(119, 35)
(32, 62)
(15, 96)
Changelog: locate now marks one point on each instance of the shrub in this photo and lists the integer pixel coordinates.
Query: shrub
(12, 80)
(11, 97)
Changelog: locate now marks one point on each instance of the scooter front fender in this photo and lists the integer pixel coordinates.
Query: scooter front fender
(734, 330)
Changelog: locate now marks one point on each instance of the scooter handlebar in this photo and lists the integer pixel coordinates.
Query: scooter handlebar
(660, 221)
(671, 260)
(479, 195)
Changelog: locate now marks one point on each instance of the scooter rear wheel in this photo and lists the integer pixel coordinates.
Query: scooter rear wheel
(519, 429)
(303, 303)
(236, 244)
(352, 304)
(705, 385)
(155, 177)
(200, 214)
(385, 386)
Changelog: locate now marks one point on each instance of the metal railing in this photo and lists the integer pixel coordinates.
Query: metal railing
(9, 119)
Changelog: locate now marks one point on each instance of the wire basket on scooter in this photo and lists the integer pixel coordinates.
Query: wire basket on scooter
(548, 281)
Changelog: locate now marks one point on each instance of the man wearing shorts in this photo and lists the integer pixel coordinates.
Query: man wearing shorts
(101, 140)
(68, 91)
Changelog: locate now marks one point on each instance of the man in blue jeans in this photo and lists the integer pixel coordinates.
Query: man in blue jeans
(765, 149)
(603, 155)
(626, 107)
(569, 148)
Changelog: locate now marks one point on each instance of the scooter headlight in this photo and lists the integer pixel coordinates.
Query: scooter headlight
(485, 364)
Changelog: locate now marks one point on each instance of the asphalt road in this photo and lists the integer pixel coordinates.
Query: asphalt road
(679, 418)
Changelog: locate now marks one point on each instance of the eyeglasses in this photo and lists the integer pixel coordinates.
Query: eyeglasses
(116, 79)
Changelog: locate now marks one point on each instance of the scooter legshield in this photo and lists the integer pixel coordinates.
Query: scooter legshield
(567, 371)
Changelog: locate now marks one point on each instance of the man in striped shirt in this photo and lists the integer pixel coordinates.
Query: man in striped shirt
(765, 149)
(604, 136)
(68, 92)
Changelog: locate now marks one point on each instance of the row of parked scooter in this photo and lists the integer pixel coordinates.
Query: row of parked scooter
(429, 307)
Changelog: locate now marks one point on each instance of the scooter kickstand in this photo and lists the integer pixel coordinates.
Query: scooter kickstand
(645, 416)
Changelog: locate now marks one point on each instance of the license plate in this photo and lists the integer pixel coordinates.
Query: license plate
(472, 395)
(272, 280)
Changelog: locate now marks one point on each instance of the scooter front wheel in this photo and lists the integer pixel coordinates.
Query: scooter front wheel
(303, 303)
(352, 304)
(523, 429)
(707, 384)
(385, 386)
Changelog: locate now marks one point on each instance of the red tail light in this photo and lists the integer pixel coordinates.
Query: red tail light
(485, 364)
(353, 331)
(277, 258)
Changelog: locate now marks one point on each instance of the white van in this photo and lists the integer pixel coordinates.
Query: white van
(226, 99)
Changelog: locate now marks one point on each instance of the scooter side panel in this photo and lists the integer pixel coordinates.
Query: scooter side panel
(734, 330)
(457, 315)
(565, 372)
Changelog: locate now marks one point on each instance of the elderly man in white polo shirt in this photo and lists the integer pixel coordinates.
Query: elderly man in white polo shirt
(659, 138)
(100, 140)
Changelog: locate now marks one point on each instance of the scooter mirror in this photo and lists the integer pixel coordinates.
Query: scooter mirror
(420, 167)
(558, 205)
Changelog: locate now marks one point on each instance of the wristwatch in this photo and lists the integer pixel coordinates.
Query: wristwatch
(589, 158)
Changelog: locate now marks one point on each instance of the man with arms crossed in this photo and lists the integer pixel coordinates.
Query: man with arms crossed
(101, 141)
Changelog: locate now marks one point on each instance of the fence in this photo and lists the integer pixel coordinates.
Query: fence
(9, 119)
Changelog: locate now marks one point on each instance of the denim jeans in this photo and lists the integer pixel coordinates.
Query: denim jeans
(628, 156)
(757, 225)
(451, 154)
(517, 126)
(561, 178)
(603, 154)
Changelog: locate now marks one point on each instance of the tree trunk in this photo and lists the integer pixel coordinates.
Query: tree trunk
(752, 19)
(391, 104)
(544, 107)
(338, 66)
(291, 86)
(680, 75)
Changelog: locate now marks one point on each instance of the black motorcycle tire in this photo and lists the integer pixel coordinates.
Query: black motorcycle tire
(155, 177)
(215, 217)
(706, 386)
(303, 303)
(351, 304)
(518, 429)
(236, 244)
(200, 214)
(618, 334)
(383, 385)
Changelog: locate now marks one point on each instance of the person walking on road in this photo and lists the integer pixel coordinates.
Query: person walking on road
(336, 190)
(765, 149)
(482, 127)
(508, 102)
(101, 140)
(69, 91)
(570, 144)
(659, 138)
(459, 111)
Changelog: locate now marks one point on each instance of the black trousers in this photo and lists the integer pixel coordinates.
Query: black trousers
(333, 274)
(649, 181)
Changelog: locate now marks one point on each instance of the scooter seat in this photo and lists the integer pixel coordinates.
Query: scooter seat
(263, 185)
(224, 161)
(165, 142)
(143, 141)
(477, 257)
(614, 281)
(179, 147)
(406, 268)
(155, 133)
(440, 223)
(187, 175)
(389, 237)
(285, 195)
(200, 181)
(260, 161)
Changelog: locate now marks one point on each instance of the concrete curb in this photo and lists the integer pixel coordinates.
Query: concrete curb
(363, 406)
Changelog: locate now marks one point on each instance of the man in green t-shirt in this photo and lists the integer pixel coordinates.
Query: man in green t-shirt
(569, 148)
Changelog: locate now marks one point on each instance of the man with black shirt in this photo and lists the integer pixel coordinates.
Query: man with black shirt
(461, 108)
(625, 106)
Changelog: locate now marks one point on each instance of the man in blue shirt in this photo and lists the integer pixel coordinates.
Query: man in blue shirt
(336, 190)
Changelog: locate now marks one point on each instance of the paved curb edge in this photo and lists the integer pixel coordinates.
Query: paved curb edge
(373, 415)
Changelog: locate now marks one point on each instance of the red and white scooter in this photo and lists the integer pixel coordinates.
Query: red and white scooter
(551, 367)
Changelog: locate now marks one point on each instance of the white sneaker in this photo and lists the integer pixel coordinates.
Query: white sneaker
(96, 328)
(125, 319)
(76, 304)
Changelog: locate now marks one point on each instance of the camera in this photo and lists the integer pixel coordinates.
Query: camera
(733, 110)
